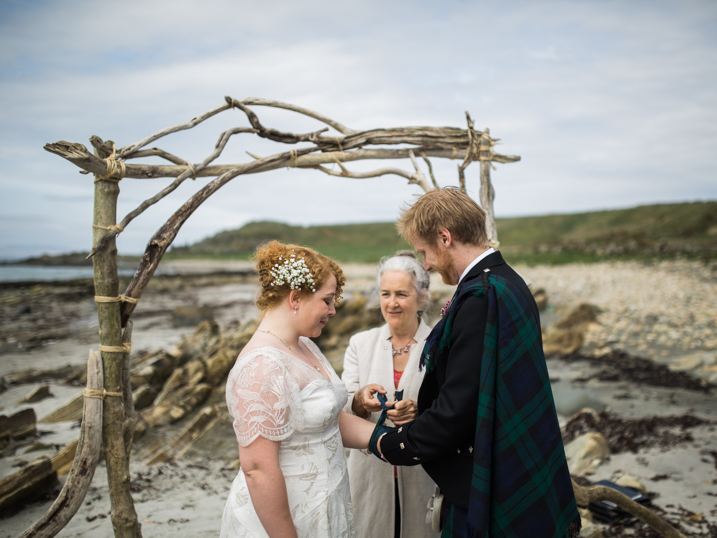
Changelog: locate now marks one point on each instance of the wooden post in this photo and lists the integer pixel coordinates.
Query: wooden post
(106, 278)
(487, 193)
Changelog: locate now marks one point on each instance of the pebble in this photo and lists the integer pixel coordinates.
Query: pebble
(670, 304)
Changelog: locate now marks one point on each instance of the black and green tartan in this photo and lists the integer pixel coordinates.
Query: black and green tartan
(521, 485)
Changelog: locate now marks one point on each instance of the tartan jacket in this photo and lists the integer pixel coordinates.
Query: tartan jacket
(441, 438)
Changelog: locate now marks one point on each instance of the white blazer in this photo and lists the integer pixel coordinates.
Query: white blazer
(369, 360)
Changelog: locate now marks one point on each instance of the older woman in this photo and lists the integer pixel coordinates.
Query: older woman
(390, 500)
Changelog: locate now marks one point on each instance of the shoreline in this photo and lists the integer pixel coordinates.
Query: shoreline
(188, 495)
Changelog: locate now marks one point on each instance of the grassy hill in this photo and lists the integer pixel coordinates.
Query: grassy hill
(645, 232)
(344, 242)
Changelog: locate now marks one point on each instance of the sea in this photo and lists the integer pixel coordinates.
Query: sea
(47, 273)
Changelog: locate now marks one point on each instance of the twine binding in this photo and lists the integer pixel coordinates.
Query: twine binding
(100, 394)
(116, 228)
(341, 149)
(118, 299)
(124, 348)
(112, 168)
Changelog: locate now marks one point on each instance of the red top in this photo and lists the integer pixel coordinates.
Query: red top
(397, 377)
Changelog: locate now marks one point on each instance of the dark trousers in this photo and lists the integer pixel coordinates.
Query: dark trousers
(397, 519)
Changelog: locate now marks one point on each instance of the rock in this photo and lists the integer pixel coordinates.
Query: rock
(567, 335)
(586, 452)
(182, 402)
(190, 374)
(68, 412)
(218, 367)
(18, 425)
(154, 370)
(29, 481)
(570, 400)
(21, 310)
(36, 395)
(205, 337)
(694, 361)
(588, 528)
(62, 461)
(627, 480)
(541, 298)
(563, 342)
(182, 442)
(188, 316)
(581, 315)
(143, 397)
(33, 376)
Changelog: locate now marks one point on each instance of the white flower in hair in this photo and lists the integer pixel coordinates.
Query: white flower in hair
(293, 272)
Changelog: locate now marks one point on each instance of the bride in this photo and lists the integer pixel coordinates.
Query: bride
(287, 402)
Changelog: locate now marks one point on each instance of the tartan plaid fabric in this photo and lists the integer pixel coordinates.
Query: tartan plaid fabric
(521, 485)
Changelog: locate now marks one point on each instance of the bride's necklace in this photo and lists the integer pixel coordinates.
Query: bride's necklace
(288, 346)
(404, 349)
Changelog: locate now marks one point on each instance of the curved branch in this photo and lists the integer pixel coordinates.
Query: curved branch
(83, 467)
(586, 495)
(163, 237)
(128, 150)
(156, 152)
(415, 179)
(430, 171)
(188, 172)
(470, 154)
(273, 134)
(305, 111)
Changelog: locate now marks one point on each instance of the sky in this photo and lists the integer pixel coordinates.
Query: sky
(609, 104)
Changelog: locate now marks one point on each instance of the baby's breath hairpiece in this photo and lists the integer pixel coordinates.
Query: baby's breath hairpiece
(292, 272)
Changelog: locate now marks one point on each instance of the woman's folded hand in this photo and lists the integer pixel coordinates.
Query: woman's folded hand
(403, 412)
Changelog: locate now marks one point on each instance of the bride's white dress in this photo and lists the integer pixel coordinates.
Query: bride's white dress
(277, 396)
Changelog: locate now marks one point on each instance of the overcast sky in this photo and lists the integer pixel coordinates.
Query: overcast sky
(609, 104)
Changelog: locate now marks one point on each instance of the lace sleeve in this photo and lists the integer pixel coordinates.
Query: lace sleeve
(258, 397)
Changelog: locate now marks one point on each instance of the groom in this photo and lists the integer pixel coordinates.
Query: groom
(487, 431)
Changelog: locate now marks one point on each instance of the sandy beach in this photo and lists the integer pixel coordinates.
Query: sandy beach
(664, 312)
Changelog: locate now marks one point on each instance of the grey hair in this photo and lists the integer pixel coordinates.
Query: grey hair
(406, 262)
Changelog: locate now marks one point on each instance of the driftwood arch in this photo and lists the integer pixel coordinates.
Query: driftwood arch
(116, 418)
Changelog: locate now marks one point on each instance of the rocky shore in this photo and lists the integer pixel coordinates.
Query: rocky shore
(632, 359)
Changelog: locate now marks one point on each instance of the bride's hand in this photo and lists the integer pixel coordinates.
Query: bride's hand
(403, 412)
(365, 401)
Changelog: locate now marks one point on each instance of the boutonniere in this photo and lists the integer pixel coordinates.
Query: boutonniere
(445, 307)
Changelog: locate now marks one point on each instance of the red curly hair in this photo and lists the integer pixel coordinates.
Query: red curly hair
(321, 267)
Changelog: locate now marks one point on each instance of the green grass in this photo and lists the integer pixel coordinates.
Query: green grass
(690, 220)
(362, 243)
(686, 230)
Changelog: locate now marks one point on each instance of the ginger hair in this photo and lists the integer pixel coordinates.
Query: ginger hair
(321, 267)
(448, 208)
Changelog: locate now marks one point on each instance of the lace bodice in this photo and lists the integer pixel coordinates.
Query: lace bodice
(271, 393)
(265, 390)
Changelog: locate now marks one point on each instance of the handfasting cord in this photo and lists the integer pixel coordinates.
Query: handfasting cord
(381, 428)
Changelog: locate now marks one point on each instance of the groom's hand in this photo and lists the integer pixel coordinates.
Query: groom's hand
(402, 412)
(365, 401)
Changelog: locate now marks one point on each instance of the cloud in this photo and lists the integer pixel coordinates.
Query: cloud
(606, 102)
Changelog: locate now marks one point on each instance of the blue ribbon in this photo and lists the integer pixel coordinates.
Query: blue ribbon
(380, 428)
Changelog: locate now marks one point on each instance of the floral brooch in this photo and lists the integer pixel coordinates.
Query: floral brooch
(445, 307)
